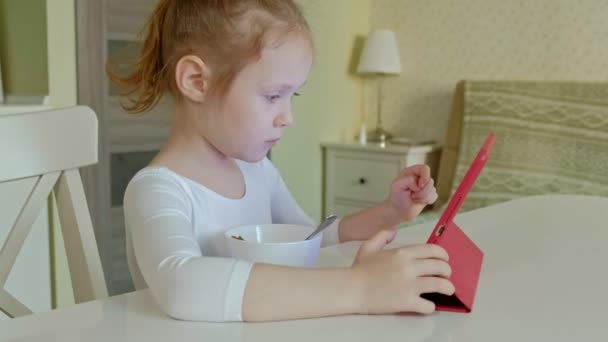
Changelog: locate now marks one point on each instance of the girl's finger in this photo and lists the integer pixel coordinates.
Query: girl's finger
(426, 194)
(436, 285)
(406, 183)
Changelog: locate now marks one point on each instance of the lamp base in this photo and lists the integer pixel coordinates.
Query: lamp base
(379, 135)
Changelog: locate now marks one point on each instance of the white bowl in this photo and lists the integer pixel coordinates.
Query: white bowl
(281, 244)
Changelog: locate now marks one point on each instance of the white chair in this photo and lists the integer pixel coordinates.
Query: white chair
(49, 147)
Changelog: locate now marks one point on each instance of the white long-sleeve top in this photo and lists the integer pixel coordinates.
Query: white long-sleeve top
(174, 230)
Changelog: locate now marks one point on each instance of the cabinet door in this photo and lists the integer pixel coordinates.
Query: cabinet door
(108, 30)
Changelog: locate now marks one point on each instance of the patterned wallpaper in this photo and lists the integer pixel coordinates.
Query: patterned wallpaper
(443, 41)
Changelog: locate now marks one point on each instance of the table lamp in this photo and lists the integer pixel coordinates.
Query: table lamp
(380, 57)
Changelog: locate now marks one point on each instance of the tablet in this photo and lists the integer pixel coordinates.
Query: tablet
(465, 257)
(464, 187)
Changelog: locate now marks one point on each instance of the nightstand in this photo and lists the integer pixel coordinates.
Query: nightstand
(357, 176)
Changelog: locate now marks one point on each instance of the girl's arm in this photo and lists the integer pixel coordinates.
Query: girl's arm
(409, 193)
(363, 224)
(190, 286)
(167, 257)
(379, 282)
(280, 293)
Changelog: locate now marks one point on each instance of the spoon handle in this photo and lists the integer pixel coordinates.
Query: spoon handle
(328, 221)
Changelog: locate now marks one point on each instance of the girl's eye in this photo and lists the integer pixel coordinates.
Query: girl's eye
(272, 98)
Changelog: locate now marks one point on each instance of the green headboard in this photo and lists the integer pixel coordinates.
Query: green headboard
(552, 137)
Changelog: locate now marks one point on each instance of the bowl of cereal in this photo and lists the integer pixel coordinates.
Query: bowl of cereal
(280, 244)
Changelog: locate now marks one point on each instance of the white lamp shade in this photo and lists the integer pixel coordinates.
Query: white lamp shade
(380, 54)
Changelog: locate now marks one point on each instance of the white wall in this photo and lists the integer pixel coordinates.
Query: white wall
(330, 105)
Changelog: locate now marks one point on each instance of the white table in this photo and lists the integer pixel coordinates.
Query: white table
(544, 278)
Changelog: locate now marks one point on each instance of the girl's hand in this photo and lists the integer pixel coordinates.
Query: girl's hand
(391, 281)
(411, 191)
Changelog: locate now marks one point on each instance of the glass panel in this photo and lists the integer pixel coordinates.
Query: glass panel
(122, 55)
(123, 166)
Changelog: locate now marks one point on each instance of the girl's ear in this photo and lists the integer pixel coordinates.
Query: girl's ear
(192, 78)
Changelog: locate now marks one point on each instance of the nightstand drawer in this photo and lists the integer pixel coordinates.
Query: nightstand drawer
(363, 180)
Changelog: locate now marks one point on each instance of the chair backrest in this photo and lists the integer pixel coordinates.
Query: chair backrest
(552, 137)
(48, 148)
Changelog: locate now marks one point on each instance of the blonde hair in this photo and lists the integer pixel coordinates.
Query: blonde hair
(226, 34)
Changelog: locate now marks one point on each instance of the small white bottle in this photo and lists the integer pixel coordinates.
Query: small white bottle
(362, 135)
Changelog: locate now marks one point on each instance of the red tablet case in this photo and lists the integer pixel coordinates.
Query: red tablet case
(465, 257)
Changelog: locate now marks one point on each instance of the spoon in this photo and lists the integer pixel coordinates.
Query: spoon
(326, 223)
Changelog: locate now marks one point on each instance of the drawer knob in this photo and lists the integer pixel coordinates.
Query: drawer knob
(362, 180)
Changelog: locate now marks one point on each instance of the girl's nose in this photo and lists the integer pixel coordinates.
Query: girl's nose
(285, 119)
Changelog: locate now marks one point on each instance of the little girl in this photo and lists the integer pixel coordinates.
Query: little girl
(232, 67)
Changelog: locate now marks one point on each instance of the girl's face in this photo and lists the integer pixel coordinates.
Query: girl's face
(256, 110)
